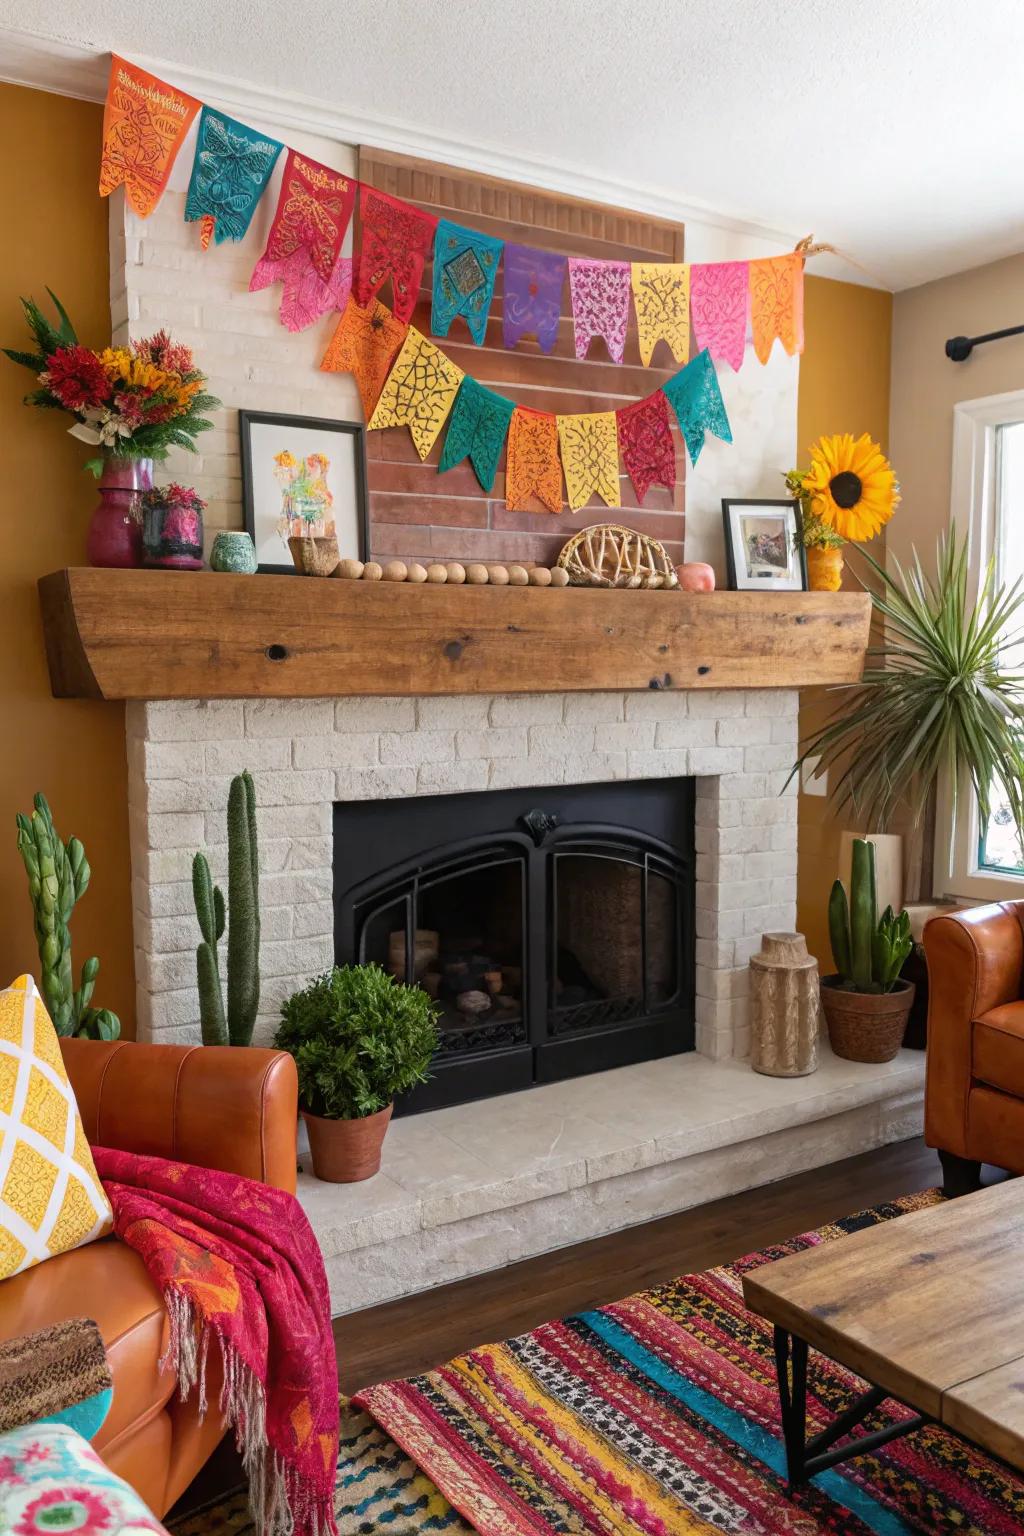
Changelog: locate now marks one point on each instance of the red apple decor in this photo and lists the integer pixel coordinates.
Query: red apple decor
(696, 576)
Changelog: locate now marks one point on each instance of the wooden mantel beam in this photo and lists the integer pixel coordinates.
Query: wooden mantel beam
(114, 634)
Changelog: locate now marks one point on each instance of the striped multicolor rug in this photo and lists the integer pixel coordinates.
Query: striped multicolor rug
(659, 1416)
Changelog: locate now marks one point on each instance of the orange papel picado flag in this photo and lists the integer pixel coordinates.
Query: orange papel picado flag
(777, 303)
(145, 123)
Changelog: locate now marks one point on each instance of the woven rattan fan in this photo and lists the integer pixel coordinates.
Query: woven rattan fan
(608, 555)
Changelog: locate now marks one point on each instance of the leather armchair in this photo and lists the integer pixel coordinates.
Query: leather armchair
(974, 1096)
(219, 1107)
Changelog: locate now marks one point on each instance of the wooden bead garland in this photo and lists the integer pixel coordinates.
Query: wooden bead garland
(452, 573)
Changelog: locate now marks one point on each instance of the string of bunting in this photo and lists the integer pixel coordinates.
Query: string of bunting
(405, 379)
(146, 122)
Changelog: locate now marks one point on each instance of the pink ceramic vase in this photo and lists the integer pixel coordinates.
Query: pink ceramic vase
(115, 532)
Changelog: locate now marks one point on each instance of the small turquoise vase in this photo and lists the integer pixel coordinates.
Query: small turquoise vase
(233, 552)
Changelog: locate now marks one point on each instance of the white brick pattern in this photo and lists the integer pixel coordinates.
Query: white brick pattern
(305, 755)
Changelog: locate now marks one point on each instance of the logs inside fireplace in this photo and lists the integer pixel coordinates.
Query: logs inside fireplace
(554, 927)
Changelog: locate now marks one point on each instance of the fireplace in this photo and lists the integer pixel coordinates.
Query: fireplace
(554, 927)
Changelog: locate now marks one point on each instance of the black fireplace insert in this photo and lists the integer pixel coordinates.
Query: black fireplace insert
(554, 927)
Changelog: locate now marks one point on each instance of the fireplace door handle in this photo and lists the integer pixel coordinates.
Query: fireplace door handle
(540, 824)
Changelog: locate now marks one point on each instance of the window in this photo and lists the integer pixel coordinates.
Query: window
(984, 861)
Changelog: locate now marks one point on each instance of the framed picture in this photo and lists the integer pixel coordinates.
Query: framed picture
(303, 475)
(763, 548)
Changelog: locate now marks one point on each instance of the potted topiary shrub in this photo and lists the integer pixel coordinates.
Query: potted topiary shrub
(358, 1038)
(866, 1004)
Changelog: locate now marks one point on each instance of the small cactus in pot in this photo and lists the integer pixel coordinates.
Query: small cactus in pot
(866, 1003)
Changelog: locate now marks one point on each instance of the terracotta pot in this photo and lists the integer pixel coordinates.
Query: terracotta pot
(345, 1151)
(824, 570)
(115, 532)
(866, 1026)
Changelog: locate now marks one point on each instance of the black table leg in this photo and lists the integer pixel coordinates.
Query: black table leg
(792, 1351)
(806, 1458)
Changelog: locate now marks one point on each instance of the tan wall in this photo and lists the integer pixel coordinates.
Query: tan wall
(844, 387)
(55, 234)
(926, 385)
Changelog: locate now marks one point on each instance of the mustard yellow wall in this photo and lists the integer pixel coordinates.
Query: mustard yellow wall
(55, 234)
(844, 387)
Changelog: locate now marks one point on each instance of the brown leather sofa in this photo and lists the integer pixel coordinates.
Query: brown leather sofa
(974, 1099)
(219, 1107)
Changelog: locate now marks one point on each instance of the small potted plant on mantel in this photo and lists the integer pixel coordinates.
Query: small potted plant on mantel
(358, 1038)
(866, 1003)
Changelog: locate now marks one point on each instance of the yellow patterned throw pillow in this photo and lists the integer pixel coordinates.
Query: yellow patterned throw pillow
(50, 1196)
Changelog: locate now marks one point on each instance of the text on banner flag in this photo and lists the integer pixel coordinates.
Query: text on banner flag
(145, 122)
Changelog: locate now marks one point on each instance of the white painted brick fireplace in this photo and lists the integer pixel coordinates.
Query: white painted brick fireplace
(306, 755)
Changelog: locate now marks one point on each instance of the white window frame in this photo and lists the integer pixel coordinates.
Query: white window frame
(974, 488)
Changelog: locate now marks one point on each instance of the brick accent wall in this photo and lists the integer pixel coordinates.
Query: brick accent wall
(306, 755)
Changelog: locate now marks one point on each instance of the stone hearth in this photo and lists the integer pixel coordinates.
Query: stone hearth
(306, 755)
(477, 1186)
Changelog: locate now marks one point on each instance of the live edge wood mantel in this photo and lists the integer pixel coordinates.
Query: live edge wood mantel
(114, 634)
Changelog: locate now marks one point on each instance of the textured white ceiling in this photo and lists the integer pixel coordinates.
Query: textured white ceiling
(893, 128)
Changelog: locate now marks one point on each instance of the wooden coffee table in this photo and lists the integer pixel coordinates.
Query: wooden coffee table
(928, 1308)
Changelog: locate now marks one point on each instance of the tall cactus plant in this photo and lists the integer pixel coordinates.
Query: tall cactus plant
(233, 1025)
(58, 876)
(868, 950)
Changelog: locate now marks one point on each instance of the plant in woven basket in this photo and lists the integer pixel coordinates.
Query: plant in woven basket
(866, 1003)
(935, 695)
(58, 875)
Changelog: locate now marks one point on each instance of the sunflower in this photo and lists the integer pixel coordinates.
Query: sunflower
(851, 486)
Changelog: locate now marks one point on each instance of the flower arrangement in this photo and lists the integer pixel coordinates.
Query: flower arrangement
(174, 495)
(306, 497)
(134, 402)
(847, 494)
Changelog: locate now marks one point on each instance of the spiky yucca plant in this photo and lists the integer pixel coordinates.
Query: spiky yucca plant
(937, 694)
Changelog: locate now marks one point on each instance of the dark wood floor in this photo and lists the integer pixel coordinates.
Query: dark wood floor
(403, 1338)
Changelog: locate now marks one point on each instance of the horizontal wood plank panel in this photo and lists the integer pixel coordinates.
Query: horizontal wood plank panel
(558, 382)
(156, 635)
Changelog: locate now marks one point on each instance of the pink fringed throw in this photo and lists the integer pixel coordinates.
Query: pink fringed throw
(238, 1261)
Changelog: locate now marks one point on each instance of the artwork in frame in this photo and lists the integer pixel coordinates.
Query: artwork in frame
(764, 548)
(303, 475)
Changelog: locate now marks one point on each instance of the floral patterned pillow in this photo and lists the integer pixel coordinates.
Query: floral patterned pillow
(51, 1480)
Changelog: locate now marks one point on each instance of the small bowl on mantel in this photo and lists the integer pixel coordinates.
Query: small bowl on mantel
(315, 556)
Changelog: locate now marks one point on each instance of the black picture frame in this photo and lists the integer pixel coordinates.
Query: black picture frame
(790, 507)
(355, 429)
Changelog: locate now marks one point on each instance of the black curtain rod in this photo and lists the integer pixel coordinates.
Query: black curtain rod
(959, 348)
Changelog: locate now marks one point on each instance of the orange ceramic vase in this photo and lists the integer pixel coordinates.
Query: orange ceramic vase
(824, 569)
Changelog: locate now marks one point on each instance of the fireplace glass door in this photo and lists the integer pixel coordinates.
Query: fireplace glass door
(553, 928)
